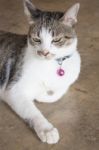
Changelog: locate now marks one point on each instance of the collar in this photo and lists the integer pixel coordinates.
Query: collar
(61, 59)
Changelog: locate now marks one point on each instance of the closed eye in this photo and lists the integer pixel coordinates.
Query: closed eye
(68, 37)
(36, 40)
(56, 40)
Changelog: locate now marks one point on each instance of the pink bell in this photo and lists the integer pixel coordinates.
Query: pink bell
(60, 72)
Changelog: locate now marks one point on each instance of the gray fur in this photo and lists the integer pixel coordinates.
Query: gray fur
(52, 21)
(11, 50)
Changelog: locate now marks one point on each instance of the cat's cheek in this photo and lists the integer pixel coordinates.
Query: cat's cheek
(54, 50)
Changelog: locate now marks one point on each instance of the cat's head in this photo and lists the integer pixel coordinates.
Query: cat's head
(51, 34)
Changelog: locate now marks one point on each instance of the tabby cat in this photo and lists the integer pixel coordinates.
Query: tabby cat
(39, 66)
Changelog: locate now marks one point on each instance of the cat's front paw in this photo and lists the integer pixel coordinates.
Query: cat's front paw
(50, 136)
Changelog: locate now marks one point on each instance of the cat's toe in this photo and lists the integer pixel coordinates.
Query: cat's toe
(52, 136)
(49, 136)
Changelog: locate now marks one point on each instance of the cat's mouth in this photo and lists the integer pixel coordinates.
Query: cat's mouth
(45, 54)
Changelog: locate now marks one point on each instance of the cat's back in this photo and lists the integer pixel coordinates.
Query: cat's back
(11, 53)
(10, 40)
(11, 44)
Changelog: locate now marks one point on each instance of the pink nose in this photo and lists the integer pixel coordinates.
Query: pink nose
(44, 52)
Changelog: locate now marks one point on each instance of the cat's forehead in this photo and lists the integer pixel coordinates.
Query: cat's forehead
(56, 29)
(50, 21)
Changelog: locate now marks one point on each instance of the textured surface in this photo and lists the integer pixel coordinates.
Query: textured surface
(77, 114)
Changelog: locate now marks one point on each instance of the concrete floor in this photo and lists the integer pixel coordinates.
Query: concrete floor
(77, 114)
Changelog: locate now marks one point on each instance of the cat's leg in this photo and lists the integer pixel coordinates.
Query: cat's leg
(29, 112)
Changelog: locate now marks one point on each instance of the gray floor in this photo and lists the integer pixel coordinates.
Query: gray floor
(76, 115)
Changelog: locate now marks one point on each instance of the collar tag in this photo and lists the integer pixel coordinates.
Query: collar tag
(61, 59)
(60, 71)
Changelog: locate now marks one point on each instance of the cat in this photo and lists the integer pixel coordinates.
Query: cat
(39, 66)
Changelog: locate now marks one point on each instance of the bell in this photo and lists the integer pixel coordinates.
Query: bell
(60, 72)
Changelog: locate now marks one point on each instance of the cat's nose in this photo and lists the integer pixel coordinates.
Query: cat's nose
(44, 52)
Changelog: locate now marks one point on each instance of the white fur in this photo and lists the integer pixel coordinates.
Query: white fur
(38, 76)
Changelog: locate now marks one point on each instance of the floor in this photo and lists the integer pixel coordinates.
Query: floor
(76, 115)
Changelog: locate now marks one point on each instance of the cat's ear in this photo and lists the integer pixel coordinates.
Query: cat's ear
(31, 11)
(70, 16)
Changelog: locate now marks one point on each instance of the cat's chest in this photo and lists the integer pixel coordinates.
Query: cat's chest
(44, 73)
(39, 72)
(47, 73)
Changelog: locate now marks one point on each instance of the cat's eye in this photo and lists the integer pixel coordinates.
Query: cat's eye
(68, 37)
(36, 40)
(56, 40)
